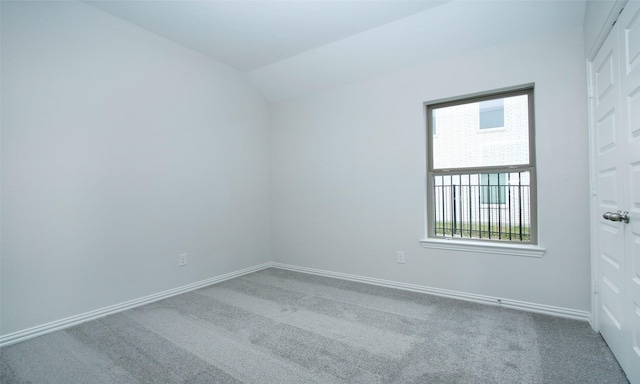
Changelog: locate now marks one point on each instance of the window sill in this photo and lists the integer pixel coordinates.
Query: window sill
(526, 250)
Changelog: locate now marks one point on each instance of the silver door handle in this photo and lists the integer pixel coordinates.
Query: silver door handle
(618, 216)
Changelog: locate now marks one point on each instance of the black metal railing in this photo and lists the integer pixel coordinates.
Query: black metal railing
(493, 206)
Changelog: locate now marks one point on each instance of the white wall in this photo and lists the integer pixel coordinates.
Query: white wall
(348, 175)
(120, 150)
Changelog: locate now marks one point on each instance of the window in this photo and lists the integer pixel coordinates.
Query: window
(481, 183)
(491, 113)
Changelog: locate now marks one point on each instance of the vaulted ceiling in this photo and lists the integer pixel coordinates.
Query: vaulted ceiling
(294, 47)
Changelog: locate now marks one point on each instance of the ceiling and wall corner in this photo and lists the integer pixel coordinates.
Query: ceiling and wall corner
(295, 48)
(247, 35)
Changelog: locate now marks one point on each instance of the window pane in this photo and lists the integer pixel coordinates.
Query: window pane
(461, 143)
(494, 206)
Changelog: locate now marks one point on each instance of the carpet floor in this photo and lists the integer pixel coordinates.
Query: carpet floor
(277, 326)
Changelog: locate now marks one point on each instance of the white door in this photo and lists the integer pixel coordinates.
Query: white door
(615, 86)
(605, 83)
(629, 47)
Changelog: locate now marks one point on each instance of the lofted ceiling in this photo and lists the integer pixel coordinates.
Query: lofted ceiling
(290, 48)
(251, 34)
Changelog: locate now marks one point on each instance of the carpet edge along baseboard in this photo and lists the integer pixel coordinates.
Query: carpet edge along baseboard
(53, 326)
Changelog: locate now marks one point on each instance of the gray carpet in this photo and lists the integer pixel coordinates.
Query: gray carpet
(277, 326)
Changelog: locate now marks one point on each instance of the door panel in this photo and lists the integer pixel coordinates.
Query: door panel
(605, 74)
(634, 112)
(609, 235)
(629, 37)
(607, 132)
(609, 192)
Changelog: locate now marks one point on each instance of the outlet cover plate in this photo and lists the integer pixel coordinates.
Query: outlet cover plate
(182, 259)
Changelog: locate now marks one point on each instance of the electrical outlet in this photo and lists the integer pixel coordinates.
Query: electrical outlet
(182, 259)
(400, 257)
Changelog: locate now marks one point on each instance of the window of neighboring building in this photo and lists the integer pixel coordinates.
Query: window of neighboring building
(491, 113)
(481, 184)
(493, 188)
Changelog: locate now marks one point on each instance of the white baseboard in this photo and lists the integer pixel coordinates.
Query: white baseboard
(507, 303)
(29, 333)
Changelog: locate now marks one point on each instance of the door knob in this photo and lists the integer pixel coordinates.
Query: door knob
(618, 216)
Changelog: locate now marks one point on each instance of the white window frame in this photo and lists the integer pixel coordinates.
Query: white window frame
(516, 248)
